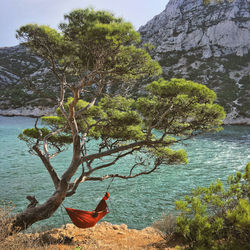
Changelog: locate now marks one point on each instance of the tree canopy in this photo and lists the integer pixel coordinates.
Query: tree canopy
(92, 47)
(93, 51)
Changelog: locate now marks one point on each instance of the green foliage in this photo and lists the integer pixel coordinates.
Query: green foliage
(170, 89)
(213, 216)
(92, 41)
(59, 139)
(180, 107)
(42, 39)
(95, 50)
(171, 156)
(110, 118)
(175, 108)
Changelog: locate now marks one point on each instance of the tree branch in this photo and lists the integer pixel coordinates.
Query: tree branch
(156, 164)
(61, 100)
(78, 113)
(110, 163)
(39, 131)
(124, 147)
(53, 69)
(76, 158)
(76, 183)
(45, 143)
(33, 201)
(48, 166)
(84, 176)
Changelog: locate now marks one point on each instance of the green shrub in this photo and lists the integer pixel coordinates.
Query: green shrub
(215, 217)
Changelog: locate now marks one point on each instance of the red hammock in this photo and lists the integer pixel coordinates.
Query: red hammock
(85, 219)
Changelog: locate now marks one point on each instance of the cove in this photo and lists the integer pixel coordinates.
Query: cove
(136, 202)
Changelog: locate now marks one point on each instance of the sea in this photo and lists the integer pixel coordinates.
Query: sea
(136, 202)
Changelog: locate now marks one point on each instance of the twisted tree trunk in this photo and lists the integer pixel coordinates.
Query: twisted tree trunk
(34, 213)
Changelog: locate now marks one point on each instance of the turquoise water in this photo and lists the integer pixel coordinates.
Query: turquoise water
(136, 202)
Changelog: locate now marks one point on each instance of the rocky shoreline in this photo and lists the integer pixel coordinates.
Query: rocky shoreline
(37, 112)
(28, 112)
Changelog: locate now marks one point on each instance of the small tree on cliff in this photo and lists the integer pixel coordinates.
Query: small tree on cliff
(94, 51)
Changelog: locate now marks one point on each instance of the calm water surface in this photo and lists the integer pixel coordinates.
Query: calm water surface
(137, 202)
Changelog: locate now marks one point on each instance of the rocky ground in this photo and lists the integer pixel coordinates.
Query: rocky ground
(103, 236)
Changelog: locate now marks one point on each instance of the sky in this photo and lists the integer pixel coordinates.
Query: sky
(15, 13)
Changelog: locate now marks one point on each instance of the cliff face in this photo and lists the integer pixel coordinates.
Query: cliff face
(205, 42)
(23, 79)
(214, 29)
(208, 43)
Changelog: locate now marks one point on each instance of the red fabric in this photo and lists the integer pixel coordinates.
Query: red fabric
(106, 196)
(85, 219)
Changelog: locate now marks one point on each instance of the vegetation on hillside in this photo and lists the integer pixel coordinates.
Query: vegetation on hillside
(226, 75)
(216, 1)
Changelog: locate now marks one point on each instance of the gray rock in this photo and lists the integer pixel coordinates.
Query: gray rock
(189, 24)
(206, 43)
(213, 41)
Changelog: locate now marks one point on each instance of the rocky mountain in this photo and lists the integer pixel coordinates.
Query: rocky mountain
(208, 42)
(23, 78)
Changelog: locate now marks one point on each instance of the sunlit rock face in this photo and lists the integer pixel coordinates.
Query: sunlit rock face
(201, 40)
(215, 29)
(208, 42)
(27, 86)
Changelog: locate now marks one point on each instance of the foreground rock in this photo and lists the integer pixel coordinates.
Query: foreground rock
(103, 236)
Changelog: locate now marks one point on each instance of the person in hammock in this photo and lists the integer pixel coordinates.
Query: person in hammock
(85, 219)
(102, 206)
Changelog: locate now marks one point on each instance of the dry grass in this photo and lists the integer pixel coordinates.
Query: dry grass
(12, 240)
(167, 225)
(5, 219)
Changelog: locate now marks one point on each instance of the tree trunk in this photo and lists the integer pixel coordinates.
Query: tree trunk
(33, 214)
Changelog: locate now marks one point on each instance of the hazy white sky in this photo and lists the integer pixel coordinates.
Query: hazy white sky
(14, 13)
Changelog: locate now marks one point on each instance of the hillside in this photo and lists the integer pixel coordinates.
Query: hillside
(201, 40)
(207, 42)
(23, 79)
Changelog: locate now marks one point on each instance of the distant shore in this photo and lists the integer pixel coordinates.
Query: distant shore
(36, 112)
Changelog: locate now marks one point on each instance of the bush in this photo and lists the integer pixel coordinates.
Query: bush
(5, 221)
(215, 217)
(15, 241)
(167, 225)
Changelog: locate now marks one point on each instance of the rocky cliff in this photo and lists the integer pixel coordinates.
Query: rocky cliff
(208, 42)
(24, 77)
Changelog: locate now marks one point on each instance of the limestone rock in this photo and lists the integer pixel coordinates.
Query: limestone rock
(190, 24)
(28, 111)
(208, 43)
